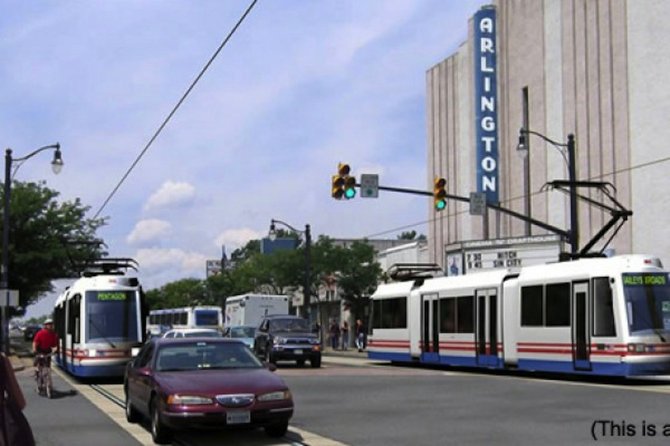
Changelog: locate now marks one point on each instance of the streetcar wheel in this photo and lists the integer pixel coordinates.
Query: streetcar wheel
(159, 432)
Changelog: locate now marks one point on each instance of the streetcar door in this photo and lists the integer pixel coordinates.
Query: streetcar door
(486, 327)
(581, 342)
(430, 328)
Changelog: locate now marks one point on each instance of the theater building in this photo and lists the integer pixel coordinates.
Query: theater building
(595, 69)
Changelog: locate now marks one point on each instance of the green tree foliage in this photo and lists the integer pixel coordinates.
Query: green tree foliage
(411, 235)
(182, 293)
(358, 276)
(47, 240)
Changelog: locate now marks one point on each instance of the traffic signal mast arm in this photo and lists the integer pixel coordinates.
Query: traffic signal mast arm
(525, 218)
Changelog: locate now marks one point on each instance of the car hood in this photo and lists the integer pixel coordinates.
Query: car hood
(216, 382)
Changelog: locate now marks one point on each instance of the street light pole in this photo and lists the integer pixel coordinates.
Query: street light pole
(306, 287)
(522, 150)
(56, 165)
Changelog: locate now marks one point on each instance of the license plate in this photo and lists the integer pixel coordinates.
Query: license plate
(297, 352)
(238, 417)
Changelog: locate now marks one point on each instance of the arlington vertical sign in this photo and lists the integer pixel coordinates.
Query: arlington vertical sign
(486, 103)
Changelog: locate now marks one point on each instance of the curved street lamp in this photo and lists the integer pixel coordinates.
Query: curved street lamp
(522, 150)
(56, 166)
(272, 234)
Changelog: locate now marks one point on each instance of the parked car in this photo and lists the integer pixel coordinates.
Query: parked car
(30, 331)
(192, 333)
(198, 382)
(286, 337)
(244, 333)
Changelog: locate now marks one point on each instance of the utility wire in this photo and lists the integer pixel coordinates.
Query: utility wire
(509, 200)
(174, 110)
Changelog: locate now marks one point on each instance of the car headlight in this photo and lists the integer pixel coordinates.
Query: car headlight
(188, 400)
(314, 341)
(275, 396)
(279, 340)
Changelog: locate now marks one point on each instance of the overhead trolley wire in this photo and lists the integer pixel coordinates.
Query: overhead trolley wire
(176, 107)
(509, 200)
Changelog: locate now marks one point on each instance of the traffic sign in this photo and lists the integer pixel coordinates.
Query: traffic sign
(477, 203)
(369, 185)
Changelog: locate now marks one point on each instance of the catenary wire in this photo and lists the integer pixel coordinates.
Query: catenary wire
(176, 107)
(425, 222)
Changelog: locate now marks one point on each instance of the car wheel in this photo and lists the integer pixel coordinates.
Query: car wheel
(159, 432)
(277, 430)
(131, 413)
(315, 362)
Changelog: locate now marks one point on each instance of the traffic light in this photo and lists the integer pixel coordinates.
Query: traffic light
(337, 190)
(440, 193)
(349, 187)
(343, 185)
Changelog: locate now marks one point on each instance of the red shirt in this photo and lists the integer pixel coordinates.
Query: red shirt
(45, 340)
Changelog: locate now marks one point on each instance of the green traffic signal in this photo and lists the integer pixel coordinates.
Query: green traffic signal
(349, 187)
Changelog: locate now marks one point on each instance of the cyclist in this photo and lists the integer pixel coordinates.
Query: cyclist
(45, 341)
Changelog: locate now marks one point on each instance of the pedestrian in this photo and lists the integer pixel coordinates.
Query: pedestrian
(345, 335)
(360, 335)
(334, 334)
(14, 427)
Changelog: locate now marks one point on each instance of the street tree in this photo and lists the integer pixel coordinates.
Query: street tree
(48, 240)
(358, 276)
(181, 293)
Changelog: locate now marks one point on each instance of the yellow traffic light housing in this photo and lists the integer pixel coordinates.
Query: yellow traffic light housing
(343, 185)
(337, 189)
(440, 193)
(349, 187)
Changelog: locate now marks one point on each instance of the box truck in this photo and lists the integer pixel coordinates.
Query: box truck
(249, 309)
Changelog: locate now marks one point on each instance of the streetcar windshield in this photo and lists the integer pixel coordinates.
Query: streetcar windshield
(111, 316)
(647, 302)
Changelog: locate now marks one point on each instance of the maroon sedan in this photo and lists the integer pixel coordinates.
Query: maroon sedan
(204, 382)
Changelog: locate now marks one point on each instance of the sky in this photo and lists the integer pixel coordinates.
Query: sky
(300, 86)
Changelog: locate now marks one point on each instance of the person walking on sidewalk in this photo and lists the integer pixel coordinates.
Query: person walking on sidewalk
(345, 335)
(334, 334)
(360, 335)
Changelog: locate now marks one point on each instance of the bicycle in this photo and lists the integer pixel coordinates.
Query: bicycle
(43, 375)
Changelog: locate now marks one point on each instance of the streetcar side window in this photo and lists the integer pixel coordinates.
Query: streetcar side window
(390, 313)
(603, 308)
(532, 306)
(448, 315)
(557, 304)
(465, 314)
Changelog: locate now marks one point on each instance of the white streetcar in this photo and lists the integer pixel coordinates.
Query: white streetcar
(100, 320)
(596, 316)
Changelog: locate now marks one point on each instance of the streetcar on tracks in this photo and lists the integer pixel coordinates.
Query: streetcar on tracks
(594, 316)
(100, 319)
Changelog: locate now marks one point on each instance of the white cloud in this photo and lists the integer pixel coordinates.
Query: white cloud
(170, 194)
(148, 231)
(236, 238)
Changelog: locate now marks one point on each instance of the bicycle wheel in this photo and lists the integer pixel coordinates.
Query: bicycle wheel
(48, 386)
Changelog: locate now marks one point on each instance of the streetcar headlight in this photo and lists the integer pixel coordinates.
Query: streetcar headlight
(275, 396)
(188, 400)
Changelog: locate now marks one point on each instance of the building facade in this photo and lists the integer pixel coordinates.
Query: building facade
(591, 68)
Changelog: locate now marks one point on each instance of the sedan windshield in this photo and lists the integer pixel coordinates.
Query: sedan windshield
(647, 302)
(205, 355)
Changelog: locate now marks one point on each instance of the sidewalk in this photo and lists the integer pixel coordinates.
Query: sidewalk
(351, 352)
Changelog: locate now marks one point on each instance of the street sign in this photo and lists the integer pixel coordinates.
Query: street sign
(477, 203)
(369, 185)
(9, 298)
